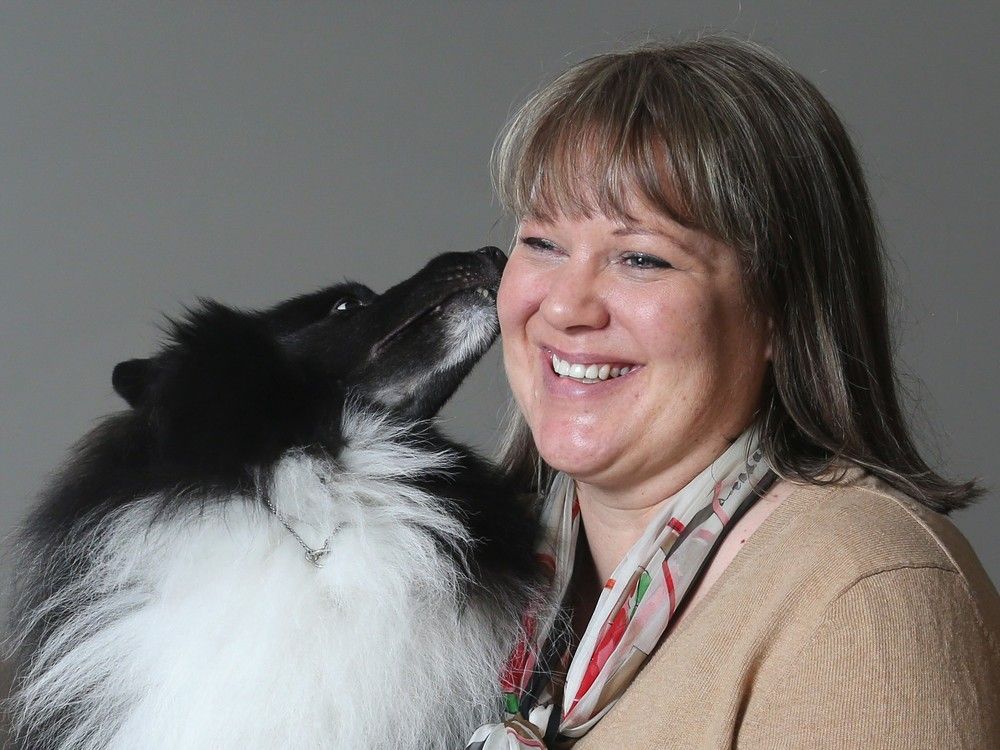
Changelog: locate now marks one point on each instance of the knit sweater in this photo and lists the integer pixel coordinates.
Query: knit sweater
(853, 617)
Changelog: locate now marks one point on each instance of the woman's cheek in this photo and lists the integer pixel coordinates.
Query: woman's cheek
(512, 297)
(522, 289)
(514, 305)
(505, 310)
(668, 326)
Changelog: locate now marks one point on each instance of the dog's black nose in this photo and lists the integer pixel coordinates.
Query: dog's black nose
(495, 254)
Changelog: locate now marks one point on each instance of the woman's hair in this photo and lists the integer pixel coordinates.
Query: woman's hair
(723, 136)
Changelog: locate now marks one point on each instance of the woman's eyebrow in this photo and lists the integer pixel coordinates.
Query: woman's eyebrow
(636, 229)
(690, 244)
(674, 232)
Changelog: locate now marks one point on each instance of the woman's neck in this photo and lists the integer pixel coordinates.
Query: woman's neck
(585, 587)
(611, 531)
(615, 517)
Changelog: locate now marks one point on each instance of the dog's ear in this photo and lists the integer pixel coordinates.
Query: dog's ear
(131, 378)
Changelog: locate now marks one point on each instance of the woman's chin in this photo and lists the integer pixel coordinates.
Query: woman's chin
(578, 459)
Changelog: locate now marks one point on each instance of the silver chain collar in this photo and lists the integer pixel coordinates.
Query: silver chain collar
(314, 555)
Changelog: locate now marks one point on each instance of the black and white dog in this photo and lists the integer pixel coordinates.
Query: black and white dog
(273, 547)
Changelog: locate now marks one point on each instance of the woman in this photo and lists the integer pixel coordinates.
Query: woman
(750, 549)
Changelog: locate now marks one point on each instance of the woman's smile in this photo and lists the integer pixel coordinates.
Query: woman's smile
(569, 371)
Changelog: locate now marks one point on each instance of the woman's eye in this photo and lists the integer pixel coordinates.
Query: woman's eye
(538, 243)
(641, 260)
(345, 303)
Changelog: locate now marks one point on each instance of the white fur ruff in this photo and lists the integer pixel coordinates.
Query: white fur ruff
(208, 628)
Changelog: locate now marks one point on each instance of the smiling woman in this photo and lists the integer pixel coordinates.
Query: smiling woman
(749, 549)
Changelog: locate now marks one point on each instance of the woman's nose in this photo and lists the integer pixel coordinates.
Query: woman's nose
(573, 300)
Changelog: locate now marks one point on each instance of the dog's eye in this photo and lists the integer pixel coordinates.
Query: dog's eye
(345, 303)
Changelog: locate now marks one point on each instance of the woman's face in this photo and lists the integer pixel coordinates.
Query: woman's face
(598, 296)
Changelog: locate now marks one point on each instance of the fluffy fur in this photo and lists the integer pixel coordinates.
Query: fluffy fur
(169, 607)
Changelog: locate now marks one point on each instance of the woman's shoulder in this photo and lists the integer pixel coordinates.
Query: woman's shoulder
(861, 526)
(885, 587)
(812, 543)
(862, 515)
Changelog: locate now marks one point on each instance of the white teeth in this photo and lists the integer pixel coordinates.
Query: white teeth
(589, 373)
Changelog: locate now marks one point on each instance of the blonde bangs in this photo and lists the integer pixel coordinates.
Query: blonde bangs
(594, 141)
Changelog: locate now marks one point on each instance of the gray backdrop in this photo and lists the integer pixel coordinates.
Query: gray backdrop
(152, 153)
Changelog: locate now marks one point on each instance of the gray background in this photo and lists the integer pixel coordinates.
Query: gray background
(152, 153)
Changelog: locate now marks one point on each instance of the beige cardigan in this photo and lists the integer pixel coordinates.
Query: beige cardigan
(853, 617)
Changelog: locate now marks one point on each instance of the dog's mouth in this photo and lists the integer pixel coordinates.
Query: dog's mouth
(444, 321)
(487, 293)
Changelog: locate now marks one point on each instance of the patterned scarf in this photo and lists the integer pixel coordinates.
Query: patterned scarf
(633, 611)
